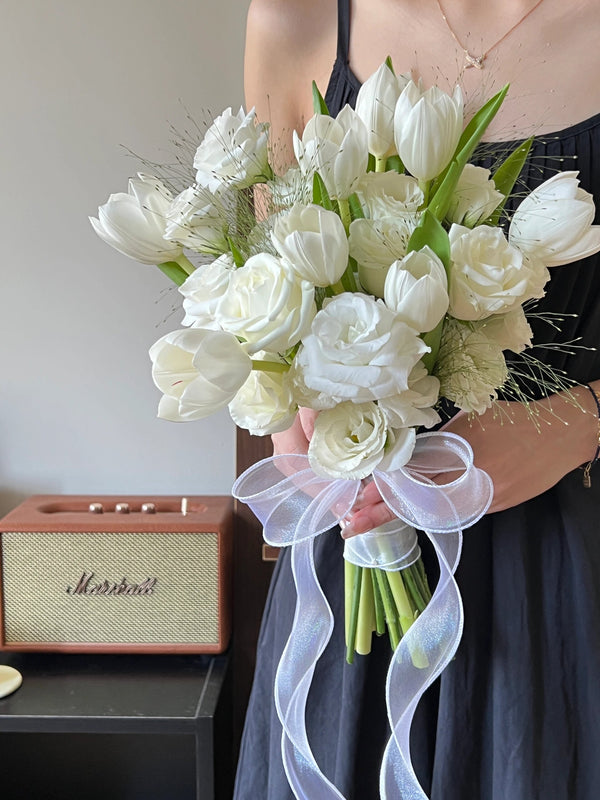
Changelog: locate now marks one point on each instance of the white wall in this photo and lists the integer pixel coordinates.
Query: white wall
(80, 78)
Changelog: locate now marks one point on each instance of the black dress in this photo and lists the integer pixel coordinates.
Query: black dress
(516, 715)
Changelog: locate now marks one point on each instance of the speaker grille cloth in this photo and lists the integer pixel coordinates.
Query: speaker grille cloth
(183, 607)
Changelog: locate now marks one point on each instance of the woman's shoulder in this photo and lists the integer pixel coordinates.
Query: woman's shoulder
(289, 43)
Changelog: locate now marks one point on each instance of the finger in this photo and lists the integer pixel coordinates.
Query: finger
(366, 518)
(368, 496)
(307, 420)
(293, 440)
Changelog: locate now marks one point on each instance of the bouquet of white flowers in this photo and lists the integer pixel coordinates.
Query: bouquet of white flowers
(382, 274)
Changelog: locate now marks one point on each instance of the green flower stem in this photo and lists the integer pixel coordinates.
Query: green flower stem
(406, 610)
(185, 264)
(337, 288)
(418, 572)
(173, 272)
(380, 164)
(391, 616)
(355, 581)
(345, 215)
(413, 590)
(366, 615)
(379, 610)
(270, 366)
(425, 187)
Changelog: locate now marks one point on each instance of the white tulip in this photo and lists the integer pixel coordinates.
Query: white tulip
(375, 105)
(234, 152)
(267, 305)
(134, 223)
(427, 128)
(199, 371)
(416, 288)
(489, 275)
(203, 290)
(475, 197)
(314, 242)
(335, 148)
(196, 221)
(265, 403)
(553, 224)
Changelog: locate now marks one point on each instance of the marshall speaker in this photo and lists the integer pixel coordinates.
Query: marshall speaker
(116, 574)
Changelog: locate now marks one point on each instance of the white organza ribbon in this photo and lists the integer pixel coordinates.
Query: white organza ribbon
(294, 506)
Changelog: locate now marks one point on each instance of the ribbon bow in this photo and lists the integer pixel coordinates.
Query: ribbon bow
(295, 506)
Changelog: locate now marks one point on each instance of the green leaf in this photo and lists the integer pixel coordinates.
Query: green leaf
(238, 258)
(506, 176)
(173, 271)
(320, 193)
(319, 104)
(395, 163)
(471, 136)
(389, 65)
(356, 210)
(431, 233)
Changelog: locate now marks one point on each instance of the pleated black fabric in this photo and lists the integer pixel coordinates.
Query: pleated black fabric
(516, 715)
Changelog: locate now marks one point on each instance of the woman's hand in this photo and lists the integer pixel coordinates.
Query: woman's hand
(524, 456)
(296, 438)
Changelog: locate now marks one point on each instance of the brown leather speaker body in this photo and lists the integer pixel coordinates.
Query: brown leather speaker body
(116, 578)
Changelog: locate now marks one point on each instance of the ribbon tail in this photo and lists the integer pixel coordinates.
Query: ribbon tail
(311, 631)
(423, 653)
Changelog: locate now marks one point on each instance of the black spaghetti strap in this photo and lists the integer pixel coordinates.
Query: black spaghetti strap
(343, 44)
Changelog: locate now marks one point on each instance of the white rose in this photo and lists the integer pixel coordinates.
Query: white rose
(198, 371)
(471, 368)
(553, 224)
(233, 152)
(314, 242)
(265, 403)
(336, 149)
(509, 331)
(194, 220)
(358, 350)
(375, 105)
(386, 194)
(134, 223)
(267, 305)
(377, 243)
(488, 275)
(415, 405)
(203, 290)
(416, 288)
(475, 197)
(427, 126)
(351, 440)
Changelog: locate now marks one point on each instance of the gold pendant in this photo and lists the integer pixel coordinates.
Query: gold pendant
(473, 61)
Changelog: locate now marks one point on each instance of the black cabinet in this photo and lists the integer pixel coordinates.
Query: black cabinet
(122, 727)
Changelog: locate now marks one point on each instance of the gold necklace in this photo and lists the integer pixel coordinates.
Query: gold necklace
(477, 61)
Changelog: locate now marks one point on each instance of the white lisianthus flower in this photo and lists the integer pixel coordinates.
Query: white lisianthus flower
(351, 440)
(336, 149)
(375, 105)
(489, 275)
(314, 242)
(233, 152)
(134, 223)
(427, 127)
(267, 305)
(195, 221)
(199, 371)
(265, 403)
(387, 194)
(416, 288)
(376, 244)
(414, 406)
(509, 331)
(470, 366)
(203, 290)
(357, 350)
(553, 224)
(475, 197)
